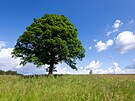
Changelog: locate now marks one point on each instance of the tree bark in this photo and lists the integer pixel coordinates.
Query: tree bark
(51, 68)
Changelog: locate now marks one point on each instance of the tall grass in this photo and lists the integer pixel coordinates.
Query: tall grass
(68, 88)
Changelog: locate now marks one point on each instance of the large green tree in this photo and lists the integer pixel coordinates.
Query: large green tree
(49, 40)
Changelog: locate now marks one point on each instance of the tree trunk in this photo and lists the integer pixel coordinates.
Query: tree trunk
(51, 68)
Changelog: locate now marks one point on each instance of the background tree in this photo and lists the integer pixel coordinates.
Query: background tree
(49, 40)
(90, 71)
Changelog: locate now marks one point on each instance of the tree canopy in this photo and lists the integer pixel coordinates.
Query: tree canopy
(49, 40)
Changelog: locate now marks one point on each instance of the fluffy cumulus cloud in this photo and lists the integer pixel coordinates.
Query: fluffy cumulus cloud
(31, 69)
(2, 44)
(115, 69)
(125, 41)
(101, 46)
(61, 69)
(96, 68)
(6, 60)
(111, 70)
(131, 66)
(9, 63)
(116, 26)
(93, 65)
(65, 69)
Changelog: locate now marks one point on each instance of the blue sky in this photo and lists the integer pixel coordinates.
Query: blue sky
(102, 27)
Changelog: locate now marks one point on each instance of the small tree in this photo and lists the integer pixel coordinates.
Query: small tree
(90, 71)
(49, 40)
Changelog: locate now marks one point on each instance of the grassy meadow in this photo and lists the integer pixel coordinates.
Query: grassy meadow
(68, 88)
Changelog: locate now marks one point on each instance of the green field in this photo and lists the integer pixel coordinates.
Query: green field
(68, 88)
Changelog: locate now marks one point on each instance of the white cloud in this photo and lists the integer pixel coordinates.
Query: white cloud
(109, 43)
(132, 66)
(95, 40)
(132, 21)
(90, 48)
(101, 46)
(116, 26)
(110, 32)
(110, 71)
(96, 69)
(129, 71)
(62, 70)
(133, 60)
(115, 69)
(2, 44)
(93, 65)
(125, 41)
(6, 60)
(9, 63)
(31, 69)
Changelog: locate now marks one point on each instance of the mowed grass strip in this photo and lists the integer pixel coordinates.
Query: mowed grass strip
(68, 88)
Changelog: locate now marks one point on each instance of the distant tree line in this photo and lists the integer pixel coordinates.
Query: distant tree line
(8, 72)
